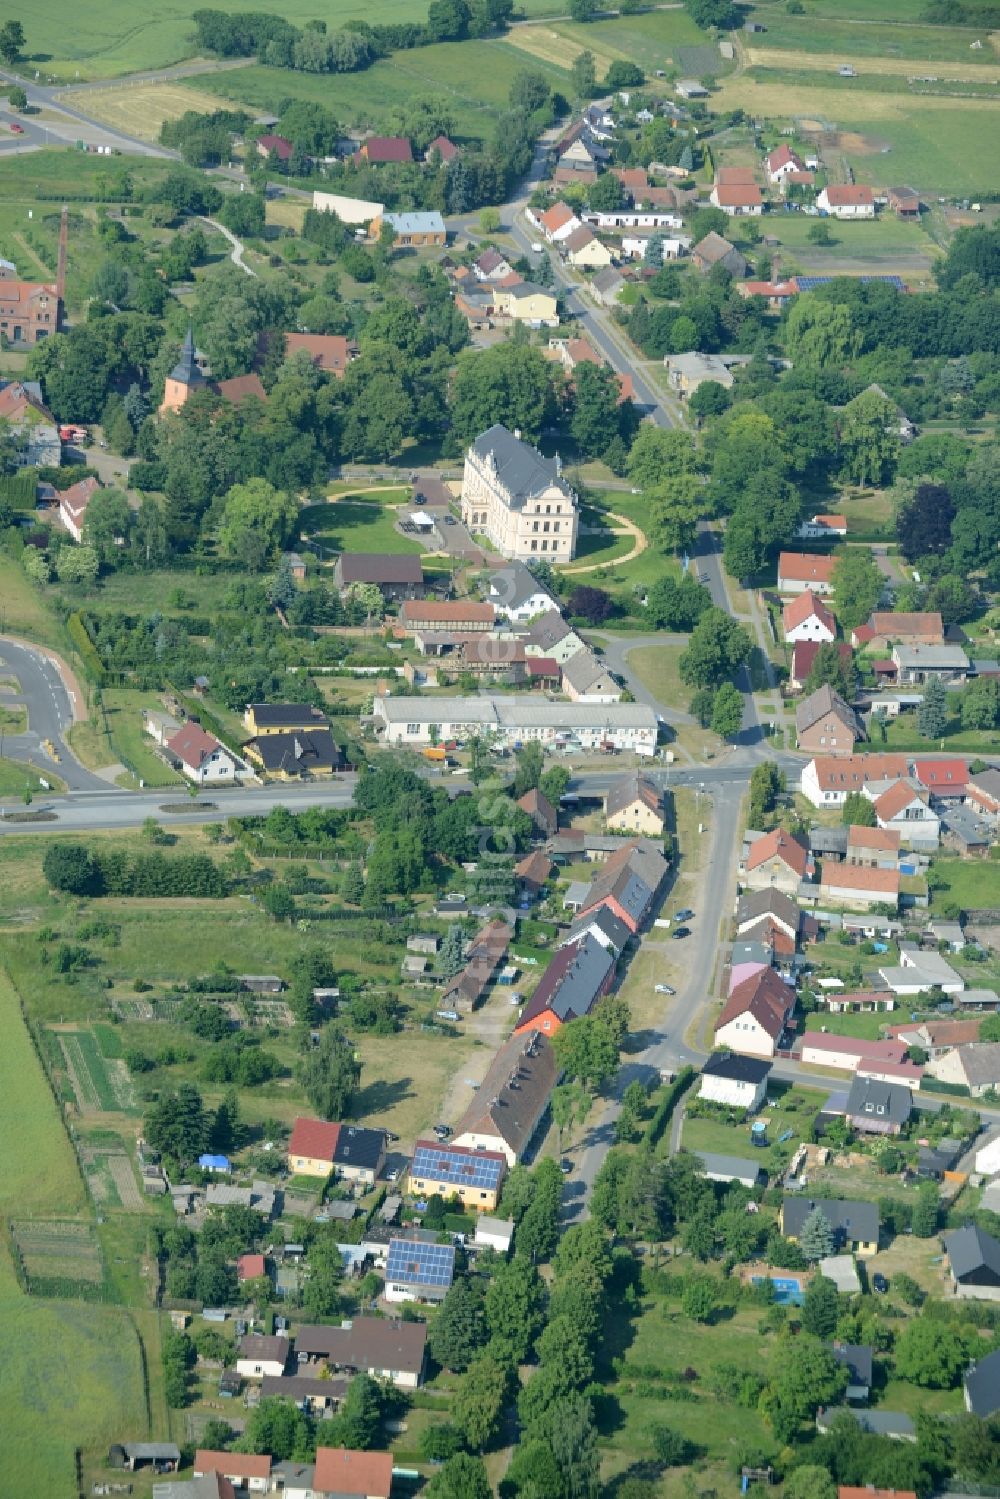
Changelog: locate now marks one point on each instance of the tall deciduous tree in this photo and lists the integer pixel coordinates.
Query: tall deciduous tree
(857, 586)
(330, 1072)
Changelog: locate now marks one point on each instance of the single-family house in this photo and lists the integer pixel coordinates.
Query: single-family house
(250, 1267)
(329, 352)
(802, 571)
(629, 883)
(876, 1107)
(826, 725)
(847, 200)
(383, 1347)
(855, 1225)
(492, 266)
(634, 804)
(277, 146)
(737, 200)
(261, 719)
(947, 664)
(541, 811)
(607, 286)
(769, 915)
(776, 861)
(349, 1151)
(973, 1263)
(858, 886)
(822, 527)
(728, 1168)
(380, 150)
(781, 161)
(484, 957)
(945, 780)
(776, 294)
(418, 1271)
(585, 679)
(738, 1082)
(246, 1471)
(747, 959)
(602, 924)
(73, 504)
(754, 1018)
(982, 1387)
(257, 1355)
(828, 780)
(512, 1099)
(342, 1473)
(857, 1001)
(714, 250)
(494, 1233)
(806, 618)
(576, 977)
(397, 576)
(688, 372)
(905, 808)
(442, 149)
(904, 202)
(974, 1065)
(289, 756)
(517, 595)
(201, 757)
(857, 1359)
(475, 1176)
(584, 250)
(417, 230)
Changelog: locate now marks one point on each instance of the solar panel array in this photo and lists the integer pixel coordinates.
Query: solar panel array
(458, 1169)
(420, 1264)
(810, 283)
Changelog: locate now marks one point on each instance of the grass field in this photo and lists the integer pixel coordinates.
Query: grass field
(141, 109)
(973, 883)
(357, 525)
(833, 38)
(890, 136)
(23, 610)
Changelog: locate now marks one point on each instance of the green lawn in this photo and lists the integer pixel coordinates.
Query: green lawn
(795, 1110)
(14, 776)
(901, 733)
(833, 32)
(356, 525)
(868, 240)
(973, 883)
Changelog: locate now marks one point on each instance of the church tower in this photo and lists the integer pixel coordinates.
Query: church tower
(183, 378)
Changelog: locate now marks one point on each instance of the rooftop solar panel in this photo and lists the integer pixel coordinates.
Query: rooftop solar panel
(457, 1168)
(809, 283)
(413, 1263)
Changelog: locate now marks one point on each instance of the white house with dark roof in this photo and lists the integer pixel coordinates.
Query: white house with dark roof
(518, 499)
(736, 1081)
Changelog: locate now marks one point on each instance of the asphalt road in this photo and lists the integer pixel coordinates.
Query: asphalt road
(69, 116)
(50, 714)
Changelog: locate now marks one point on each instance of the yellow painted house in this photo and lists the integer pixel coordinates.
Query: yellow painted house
(280, 718)
(528, 303)
(473, 1175)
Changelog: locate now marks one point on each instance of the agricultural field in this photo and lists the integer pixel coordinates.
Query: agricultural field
(885, 136)
(141, 109)
(652, 40)
(892, 41)
(100, 1083)
(884, 246)
(58, 1250)
(106, 38)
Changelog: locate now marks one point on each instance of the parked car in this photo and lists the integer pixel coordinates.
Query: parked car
(684, 915)
(565, 1166)
(879, 1284)
(15, 128)
(664, 989)
(680, 931)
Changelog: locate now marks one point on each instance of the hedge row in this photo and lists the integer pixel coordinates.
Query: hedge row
(671, 1096)
(93, 666)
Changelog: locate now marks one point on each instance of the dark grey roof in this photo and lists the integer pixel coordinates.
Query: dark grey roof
(828, 840)
(357, 1146)
(303, 1386)
(611, 925)
(982, 1386)
(521, 469)
(750, 952)
(857, 1358)
(256, 1345)
(583, 670)
(516, 584)
(876, 1423)
(626, 790)
(186, 370)
(850, 1220)
(367, 1343)
(969, 828)
(971, 1252)
(380, 567)
(548, 630)
(826, 700)
(873, 1099)
(286, 715)
(572, 981)
(754, 904)
(738, 1167)
(305, 749)
(736, 1069)
(988, 781)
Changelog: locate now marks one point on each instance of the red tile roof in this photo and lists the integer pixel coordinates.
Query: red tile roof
(854, 771)
(556, 217)
(763, 996)
(239, 387)
(849, 194)
(884, 1051)
(76, 499)
(807, 604)
(240, 1465)
(779, 845)
(859, 877)
(885, 840)
(940, 775)
(892, 802)
(331, 352)
(314, 1138)
(281, 147)
(899, 626)
(192, 745)
(734, 177)
(805, 567)
(343, 1472)
(382, 148)
(804, 654)
(783, 156)
(445, 148)
(738, 195)
(250, 1267)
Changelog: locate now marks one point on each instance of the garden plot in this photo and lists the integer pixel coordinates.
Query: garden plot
(101, 1085)
(57, 1255)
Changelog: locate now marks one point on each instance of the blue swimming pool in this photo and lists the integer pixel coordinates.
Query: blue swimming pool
(787, 1290)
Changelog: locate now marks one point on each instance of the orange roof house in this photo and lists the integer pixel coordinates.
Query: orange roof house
(352, 1475)
(798, 571)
